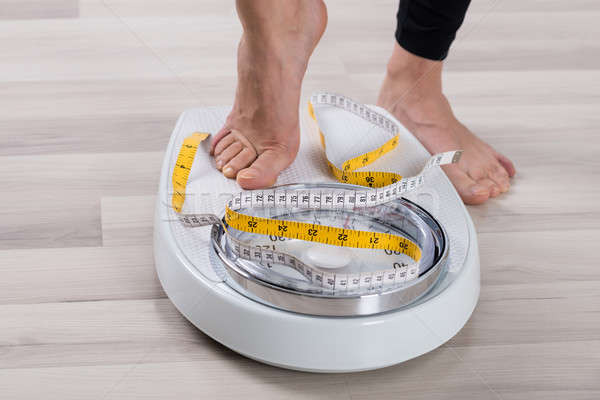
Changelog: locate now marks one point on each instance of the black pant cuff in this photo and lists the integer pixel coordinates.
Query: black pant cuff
(432, 45)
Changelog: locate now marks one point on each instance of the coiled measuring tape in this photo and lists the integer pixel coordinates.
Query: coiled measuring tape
(379, 188)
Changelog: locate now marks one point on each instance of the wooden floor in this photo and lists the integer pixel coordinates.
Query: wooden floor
(90, 87)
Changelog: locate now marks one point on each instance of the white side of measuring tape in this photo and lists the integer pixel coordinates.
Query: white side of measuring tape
(348, 199)
(326, 279)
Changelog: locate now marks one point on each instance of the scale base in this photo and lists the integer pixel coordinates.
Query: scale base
(306, 343)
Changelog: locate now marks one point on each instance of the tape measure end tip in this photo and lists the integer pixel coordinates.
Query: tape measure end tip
(457, 156)
(311, 111)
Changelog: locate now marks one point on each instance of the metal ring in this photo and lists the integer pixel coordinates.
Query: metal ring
(379, 301)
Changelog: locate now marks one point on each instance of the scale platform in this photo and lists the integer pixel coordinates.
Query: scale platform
(275, 319)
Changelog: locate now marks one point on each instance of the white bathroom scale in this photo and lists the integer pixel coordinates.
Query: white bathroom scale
(361, 256)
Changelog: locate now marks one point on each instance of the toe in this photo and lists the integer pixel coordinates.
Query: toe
(224, 143)
(228, 153)
(241, 160)
(492, 187)
(507, 164)
(500, 177)
(470, 191)
(264, 170)
(217, 138)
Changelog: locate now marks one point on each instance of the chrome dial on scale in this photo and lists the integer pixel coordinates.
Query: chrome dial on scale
(284, 287)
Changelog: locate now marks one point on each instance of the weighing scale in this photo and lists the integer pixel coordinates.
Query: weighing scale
(345, 265)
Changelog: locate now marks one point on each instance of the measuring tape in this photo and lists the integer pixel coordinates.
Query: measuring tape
(378, 188)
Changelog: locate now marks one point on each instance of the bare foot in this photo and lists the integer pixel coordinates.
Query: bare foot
(412, 91)
(262, 134)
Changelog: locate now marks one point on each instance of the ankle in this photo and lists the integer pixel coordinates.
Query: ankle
(411, 81)
(405, 65)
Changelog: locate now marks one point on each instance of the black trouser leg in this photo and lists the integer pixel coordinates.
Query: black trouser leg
(427, 28)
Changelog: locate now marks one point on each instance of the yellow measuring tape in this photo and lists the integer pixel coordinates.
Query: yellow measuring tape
(389, 186)
(322, 233)
(348, 174)
(183, 166)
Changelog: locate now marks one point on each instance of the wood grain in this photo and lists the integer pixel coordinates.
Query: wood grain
(91, 86)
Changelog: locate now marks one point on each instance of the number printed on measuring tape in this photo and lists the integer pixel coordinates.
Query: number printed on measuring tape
(377, 188)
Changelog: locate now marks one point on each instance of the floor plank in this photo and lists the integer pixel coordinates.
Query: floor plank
(77, 274)
(127, 220)
(545, 257)
(539, 370)
(533, 313)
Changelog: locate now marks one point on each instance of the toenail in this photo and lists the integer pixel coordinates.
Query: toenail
(479, 190)
(228, 172)
(219, 164)
(249, 174)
